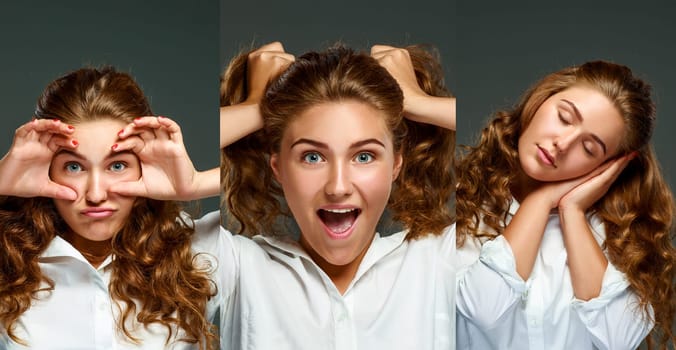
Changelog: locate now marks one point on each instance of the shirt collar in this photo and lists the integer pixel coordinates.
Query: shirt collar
(60, 248)
(380, 247)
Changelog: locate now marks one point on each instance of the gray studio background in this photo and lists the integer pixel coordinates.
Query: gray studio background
(169, 47)
(504, 48)
(307, 25)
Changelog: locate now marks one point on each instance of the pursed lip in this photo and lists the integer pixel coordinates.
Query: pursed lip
(98, 212)
(548, 158)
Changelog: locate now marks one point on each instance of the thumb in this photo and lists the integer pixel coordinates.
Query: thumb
(129, 188)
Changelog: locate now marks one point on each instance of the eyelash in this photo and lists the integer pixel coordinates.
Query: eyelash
(68, 164)
(563, 120)
(306, 154)
(80, 167)
(304, 157)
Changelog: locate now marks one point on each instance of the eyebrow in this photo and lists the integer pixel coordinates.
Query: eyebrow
(579, 116)
(81, 157)
(325, 146)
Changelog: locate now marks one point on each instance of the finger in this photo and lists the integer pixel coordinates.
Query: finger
(129, 188)
(57, 142)
(147, 133)
(378, 48)
(273, 46)
(134, 144)
(137, 126)
(172, 128)
(38, 126)
(54, 190)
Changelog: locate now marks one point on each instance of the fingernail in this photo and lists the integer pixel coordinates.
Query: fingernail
(55, 120)
(114, 146)
(70, 127)
(75, 143)
(119, 133)
(137, 119)
(160, 117)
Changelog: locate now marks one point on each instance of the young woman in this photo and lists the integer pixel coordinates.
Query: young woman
(564, 220)
(327, 132)
(85, 260)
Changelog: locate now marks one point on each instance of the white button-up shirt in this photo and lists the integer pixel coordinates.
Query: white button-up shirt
(80, 314)
(497, 309)
(402, 296)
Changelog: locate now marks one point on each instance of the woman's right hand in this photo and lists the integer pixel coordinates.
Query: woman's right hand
(263, 65)
(582, 192)
(240, 120)
(24, 170)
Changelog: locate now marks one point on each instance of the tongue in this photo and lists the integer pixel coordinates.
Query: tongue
(337, 222)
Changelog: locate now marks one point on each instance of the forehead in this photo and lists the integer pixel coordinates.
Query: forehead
(96, 137)
(339, 123)
(599, 114)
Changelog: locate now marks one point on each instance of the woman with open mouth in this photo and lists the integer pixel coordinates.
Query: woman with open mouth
(340, 135)
(94, 252)
(565, 222)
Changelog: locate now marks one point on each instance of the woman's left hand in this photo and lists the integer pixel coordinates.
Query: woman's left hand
(167, 173)
(418, 105)
(583, 196)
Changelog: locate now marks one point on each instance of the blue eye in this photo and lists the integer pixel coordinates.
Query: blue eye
(118, 166)
(73, 167)
(312, 157)
(364, 157)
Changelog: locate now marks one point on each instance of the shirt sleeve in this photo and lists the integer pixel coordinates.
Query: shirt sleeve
(215, 248)
(613, 318)
(490, 288)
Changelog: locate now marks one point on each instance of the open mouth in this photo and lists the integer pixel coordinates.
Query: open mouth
(339, 221)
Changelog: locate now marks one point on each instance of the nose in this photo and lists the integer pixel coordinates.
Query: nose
(339, 183)
(564, 140)
(97, 188)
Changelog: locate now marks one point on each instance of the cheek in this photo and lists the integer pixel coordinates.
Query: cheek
(375, 184)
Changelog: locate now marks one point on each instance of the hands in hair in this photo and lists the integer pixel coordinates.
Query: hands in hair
(167, 173)
(418, 105)
(24, 170)
(263, 65)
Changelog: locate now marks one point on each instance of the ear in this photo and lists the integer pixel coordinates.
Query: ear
(274, 164)
(398, 162)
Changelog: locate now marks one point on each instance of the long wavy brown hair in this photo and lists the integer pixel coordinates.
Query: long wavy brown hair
(637, 210)
(154, 278)
(423, 189)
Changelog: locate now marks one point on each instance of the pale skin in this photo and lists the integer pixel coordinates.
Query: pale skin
(268, 62)
(157, 142)
(573, 198)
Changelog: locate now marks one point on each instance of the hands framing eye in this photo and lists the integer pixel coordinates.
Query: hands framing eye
(24, 170)
(167, 171)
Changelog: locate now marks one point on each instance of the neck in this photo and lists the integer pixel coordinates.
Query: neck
(523, 185)
(94, 251)
(340, 275)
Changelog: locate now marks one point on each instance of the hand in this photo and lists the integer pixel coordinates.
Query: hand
(584, 191)
(418, 105)
(590, 191)
(24, 170)
(264, 64)
(167, 173)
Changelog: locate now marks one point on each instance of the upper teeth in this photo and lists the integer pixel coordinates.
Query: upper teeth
(340, 210)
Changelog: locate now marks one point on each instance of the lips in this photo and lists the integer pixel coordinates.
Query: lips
(546, 157)
(339, 222)
(98, 213)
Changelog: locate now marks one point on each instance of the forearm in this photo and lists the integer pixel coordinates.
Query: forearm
(207, 184)
(524, 233)
(586, 261)
(238, 121)
(439, 111)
